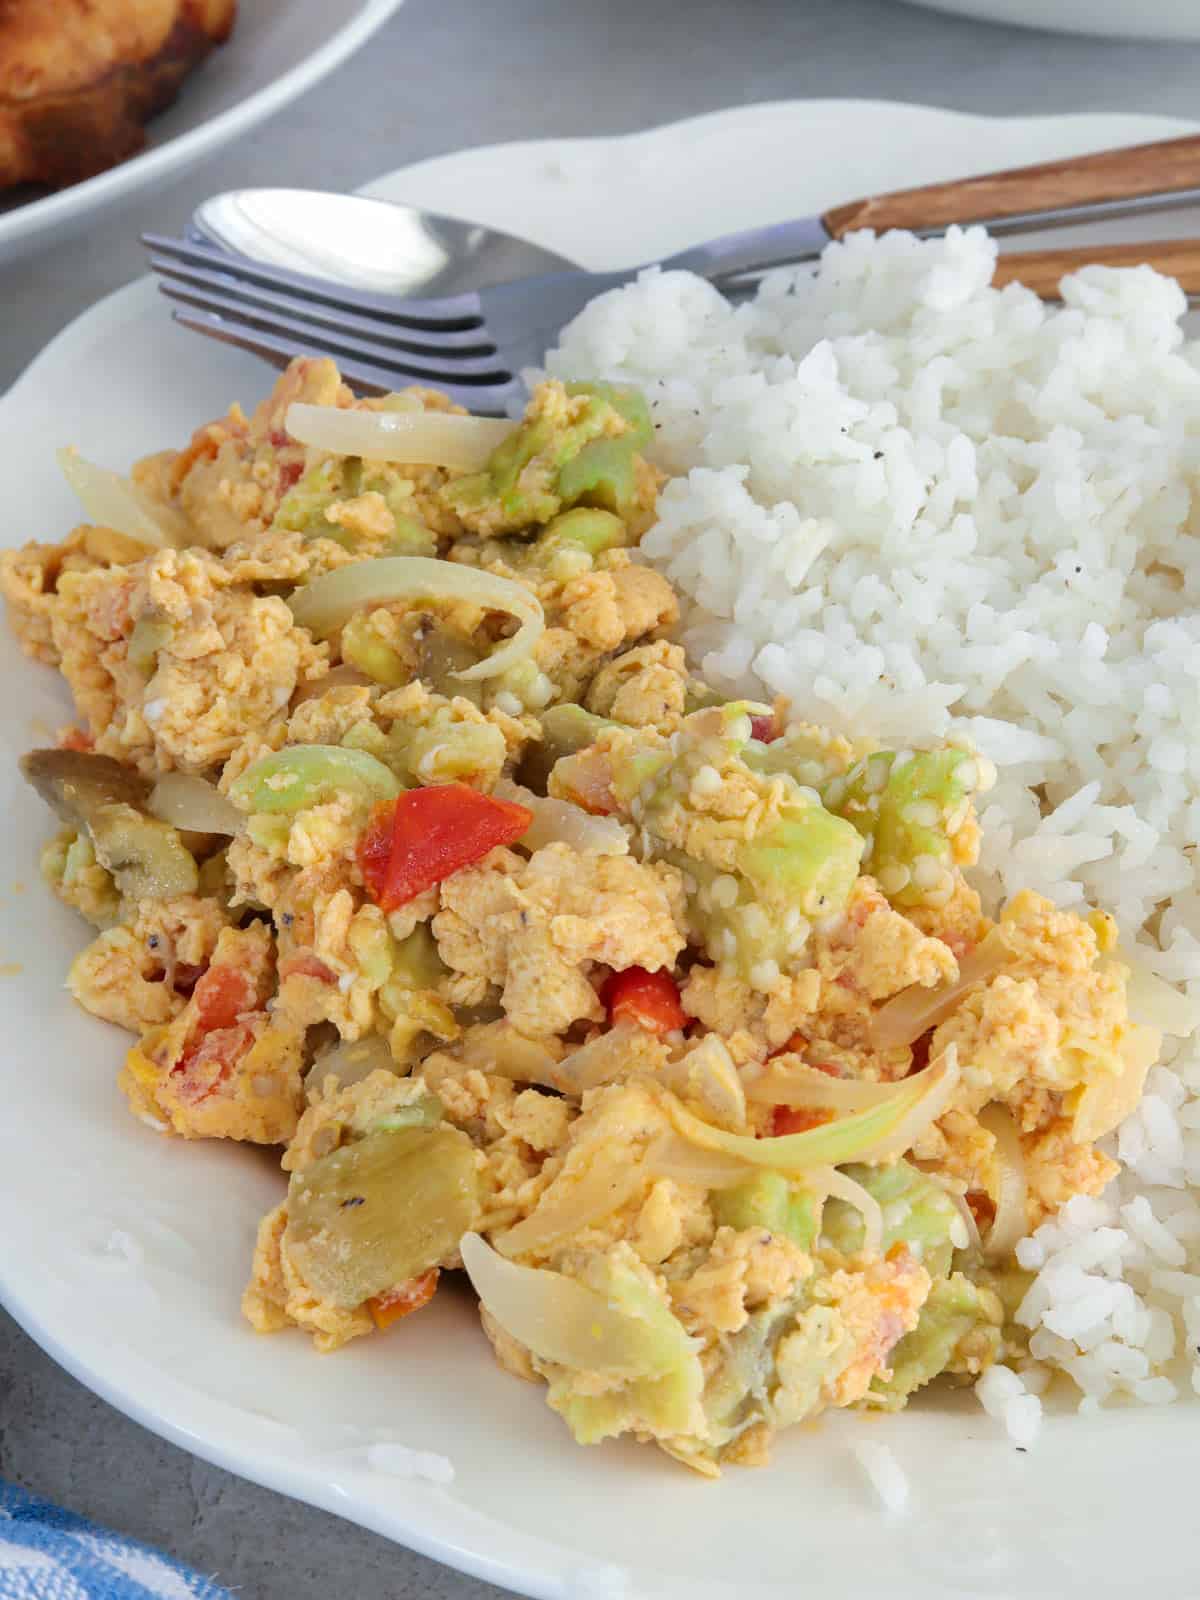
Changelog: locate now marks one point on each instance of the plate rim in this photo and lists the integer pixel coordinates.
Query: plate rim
(756, 111)
(18, 228)
(247, 1457)
(274, 1474)
(993, 13)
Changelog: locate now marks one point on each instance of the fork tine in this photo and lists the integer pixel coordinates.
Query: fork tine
(219, 286)
(484, 399)
(454, 311)
(429, 366)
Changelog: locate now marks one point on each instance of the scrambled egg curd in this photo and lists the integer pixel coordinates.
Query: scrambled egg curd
(414, 847)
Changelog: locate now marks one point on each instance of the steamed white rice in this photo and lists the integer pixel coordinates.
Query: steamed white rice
(919, 506)
(883, 1472)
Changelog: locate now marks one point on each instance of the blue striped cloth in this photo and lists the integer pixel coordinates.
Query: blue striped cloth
(47, 1553)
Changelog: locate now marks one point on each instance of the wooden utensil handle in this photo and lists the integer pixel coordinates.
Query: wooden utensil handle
(1040, 270)
(1165, 167)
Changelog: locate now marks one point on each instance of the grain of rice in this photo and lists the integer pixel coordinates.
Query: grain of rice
(884, 1473)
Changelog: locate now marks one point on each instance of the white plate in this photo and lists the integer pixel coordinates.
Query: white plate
(278, 49)
(1112, 19)
(1099, 1507)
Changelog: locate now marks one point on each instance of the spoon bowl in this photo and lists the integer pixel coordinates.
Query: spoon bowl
(367, 244)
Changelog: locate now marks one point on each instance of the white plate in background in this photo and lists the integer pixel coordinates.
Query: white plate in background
(278, 49)
(1102, 1507)
(1111, 19)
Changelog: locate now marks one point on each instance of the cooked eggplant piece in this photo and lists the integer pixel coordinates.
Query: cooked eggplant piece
(441, 657)
(147, 858)
(566, 729)
(77, 783)
(377, 1213)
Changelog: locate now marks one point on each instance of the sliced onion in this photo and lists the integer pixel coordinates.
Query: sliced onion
(562, 1320)
(912, 1012)
(1011, 1223)
(577, 1204)
(601, 1060)
(498, 1049)
(323, 605)
(674, 1158)
(958, 1201)
(193, 805)
(560, 822)
(805, 1086)
(842, 1187)
(412, 438)
(112, 501)
(914, 1122)
(341, 677)
(1154, 1001)
(350, 1062)
(1108, 1100)
(876, 1134)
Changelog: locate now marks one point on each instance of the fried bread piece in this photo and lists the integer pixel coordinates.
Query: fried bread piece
(80, 78)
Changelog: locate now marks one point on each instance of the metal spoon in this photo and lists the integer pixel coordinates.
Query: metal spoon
(368, 244)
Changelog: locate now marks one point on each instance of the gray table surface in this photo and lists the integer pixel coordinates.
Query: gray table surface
(447, 74)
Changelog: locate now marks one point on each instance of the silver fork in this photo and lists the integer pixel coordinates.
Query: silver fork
(475, 344)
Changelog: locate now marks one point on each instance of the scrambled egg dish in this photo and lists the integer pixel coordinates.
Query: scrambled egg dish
(413, 847)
